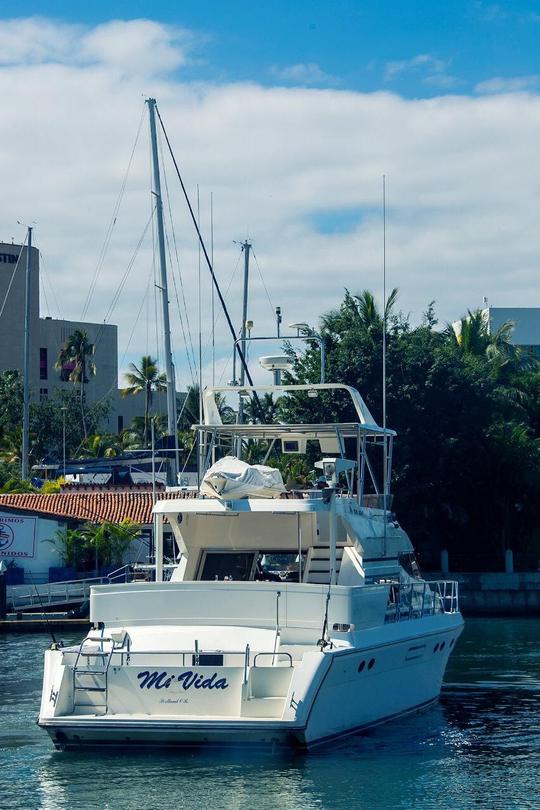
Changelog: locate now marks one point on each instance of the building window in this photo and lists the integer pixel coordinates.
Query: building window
(43, 371)
(9, 258)
(43, 394)
(120, 423)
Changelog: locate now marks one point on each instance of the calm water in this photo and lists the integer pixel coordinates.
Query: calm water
(480, 748)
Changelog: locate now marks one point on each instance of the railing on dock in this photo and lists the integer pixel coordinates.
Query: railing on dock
(50, 594)
(413, 600)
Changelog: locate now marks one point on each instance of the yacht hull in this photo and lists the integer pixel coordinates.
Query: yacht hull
(358, 689)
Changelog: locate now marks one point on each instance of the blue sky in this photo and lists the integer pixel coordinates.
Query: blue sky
(289, 114)
(416, 48)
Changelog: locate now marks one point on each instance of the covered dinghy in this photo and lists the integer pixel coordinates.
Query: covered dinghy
(230, 478)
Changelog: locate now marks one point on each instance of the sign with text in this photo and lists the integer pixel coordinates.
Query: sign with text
(17, 536)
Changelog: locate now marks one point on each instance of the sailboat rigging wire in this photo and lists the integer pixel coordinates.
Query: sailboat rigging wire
(191, 359)
(199, 309)
(385, 439)
(111, 226)
(12, 277)
(46, 278)
(123, 280)
(113, 385)
(211, 269)
(273, 309)
(212, 290)
(225, 296)
(44, 293)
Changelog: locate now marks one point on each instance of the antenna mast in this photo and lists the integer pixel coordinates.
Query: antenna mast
(26, 362)
(169, 367)
(246, 247)
(385, 447)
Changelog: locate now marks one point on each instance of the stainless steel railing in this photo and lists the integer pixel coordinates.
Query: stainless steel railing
(30, 595)
(414, 600)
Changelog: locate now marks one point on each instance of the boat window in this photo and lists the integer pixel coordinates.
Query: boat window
(279, 566)
(228, 565)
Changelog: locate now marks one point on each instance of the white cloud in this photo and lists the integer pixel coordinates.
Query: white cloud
(461, 179)
(518, 84)
(429, 68)
(303, 74)
(138, 46)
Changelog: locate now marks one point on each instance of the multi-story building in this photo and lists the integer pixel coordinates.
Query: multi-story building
(47, 335)
(526, 320)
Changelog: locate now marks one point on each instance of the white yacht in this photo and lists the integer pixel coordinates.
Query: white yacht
(292, 617)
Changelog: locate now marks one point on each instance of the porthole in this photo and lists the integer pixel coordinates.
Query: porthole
(361, 666)
(451, 643)
(436, 647)
(443, 644)
(371, 664)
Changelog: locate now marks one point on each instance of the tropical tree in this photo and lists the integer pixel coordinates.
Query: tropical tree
(75, 364)
(188, 413)
(466, 460)
(110, 541)
(49, 417)
(146, 379)
(11, 399)
(265, 411)
(473, 336)
(101, 445)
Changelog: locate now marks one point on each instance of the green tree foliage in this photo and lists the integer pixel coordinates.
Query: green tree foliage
(110, 541)
(46, 424)
(467, 454)
(47, 420)
(74, 363)
(145, 379)
(96, 544)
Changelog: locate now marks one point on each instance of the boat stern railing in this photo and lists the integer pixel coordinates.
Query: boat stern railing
(414, 600)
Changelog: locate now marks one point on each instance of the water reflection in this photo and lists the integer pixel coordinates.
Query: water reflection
(478, 748)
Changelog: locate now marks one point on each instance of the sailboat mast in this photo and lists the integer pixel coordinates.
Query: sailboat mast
(246, 247)
(26, 363)
(169, 367)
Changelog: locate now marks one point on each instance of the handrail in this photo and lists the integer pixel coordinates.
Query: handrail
(62, 591)
(289, 656)
(414, 600)
(128, 652)
(53, 592)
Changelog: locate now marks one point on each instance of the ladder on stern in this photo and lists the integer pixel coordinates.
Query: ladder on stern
(90, 679)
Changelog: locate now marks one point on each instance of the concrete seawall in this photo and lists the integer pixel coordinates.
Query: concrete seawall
(496, 594)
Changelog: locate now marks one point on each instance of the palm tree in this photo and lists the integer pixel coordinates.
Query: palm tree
(74, 364)
(473, 336)
(188, 413)
(370, 317)
(266, 407)
(146, 378)
(101, 445)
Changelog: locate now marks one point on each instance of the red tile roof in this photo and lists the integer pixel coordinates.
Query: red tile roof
(89, 506)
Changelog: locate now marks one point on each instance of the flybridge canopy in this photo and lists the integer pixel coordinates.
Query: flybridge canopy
(275, 431)
(213, 424)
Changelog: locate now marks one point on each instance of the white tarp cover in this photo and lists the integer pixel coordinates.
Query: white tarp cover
(232, 479)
